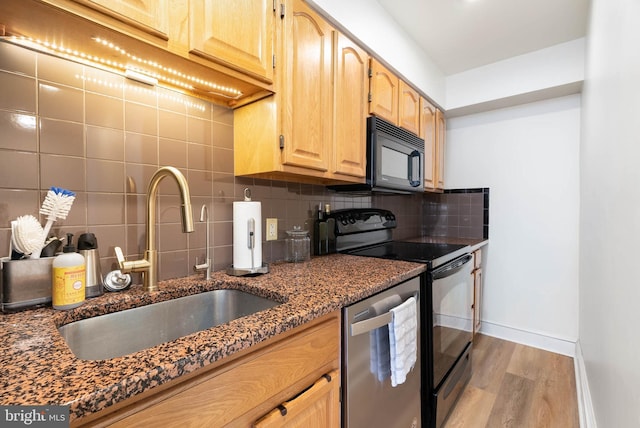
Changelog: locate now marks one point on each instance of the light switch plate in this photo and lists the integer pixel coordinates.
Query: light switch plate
(272, 229)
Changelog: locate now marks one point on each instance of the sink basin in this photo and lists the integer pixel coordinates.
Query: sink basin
(121, 333)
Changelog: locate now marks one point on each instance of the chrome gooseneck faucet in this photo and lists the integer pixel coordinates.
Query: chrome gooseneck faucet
(206, 266)
(149, 265)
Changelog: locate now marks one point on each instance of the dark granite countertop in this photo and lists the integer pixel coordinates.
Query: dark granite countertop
(37, 367)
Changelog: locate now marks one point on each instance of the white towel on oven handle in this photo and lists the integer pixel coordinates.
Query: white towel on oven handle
(403, 340)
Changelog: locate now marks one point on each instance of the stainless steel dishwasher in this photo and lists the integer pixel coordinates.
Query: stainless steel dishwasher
(369, 399)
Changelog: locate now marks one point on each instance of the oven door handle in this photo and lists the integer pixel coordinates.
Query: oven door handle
(365, 326)
(369, 324)
(451, 267)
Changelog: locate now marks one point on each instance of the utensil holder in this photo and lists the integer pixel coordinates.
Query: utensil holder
(25, 283)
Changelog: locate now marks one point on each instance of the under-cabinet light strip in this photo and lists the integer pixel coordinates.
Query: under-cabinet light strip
(169, 70)
(180, 80)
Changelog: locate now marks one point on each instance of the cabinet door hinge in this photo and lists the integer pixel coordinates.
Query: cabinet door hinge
(282, 141)
(370, 97)
(273, 61)
(275, 5)
(370, 72)
(281, 10)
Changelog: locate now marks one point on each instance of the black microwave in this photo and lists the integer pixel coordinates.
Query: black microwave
(395, 160)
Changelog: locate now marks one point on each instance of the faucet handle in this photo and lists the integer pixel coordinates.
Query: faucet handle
(120, 257)
(131, 266)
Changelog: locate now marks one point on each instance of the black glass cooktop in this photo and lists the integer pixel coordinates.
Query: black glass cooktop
(432, 254)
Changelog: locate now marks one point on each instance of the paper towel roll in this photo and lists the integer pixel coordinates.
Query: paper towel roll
(243, 214)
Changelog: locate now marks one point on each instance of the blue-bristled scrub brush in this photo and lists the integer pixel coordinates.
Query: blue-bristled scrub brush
(56, 206)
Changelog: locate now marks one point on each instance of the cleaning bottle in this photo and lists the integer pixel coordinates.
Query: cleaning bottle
(68, 278)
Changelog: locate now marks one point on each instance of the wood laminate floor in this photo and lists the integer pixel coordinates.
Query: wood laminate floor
(517, 386)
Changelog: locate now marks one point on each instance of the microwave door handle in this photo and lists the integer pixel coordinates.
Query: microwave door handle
(414, 183)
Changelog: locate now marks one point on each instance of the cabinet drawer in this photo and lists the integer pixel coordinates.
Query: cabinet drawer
(250, 386)
(317, 407)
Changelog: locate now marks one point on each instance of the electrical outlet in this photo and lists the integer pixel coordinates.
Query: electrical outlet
(272, 229)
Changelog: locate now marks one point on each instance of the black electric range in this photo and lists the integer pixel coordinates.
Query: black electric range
(431, 254)
(368, 232)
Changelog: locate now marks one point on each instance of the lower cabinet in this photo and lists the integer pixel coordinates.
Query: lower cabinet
(317, 407)
(477, 290)
(297, 371)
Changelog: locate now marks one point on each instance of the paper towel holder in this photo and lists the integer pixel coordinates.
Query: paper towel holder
(254, 270)
(248, 271)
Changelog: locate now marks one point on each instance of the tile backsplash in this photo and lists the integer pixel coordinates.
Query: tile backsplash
(458, 213)
(103, 136)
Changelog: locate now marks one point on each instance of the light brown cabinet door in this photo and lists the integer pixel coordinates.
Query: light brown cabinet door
(316, 407)
(441, 127)
(308, 92)
(151, 16)
(428, 133)
(235, 33)
(477, 300)
(351, 87)
(409, 108)
(384, 90)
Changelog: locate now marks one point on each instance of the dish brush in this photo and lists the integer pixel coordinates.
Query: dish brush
(27, 235)
(56, 206)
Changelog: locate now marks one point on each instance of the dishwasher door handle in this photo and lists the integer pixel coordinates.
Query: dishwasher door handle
(367, 325)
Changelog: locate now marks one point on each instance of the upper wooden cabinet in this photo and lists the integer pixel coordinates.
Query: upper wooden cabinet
(409, 108)
(218, 50)
(384, 91)
(432, 128)
(428, 128)
(393, 99)
(313, 129)
(151, 16)
(307, 60)
(236, 33)
(351, 87)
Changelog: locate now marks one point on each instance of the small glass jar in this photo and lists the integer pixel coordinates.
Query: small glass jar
(297, 245)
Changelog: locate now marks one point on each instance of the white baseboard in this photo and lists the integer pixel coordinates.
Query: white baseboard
(536, 340)
(585, 407)
(559, 346)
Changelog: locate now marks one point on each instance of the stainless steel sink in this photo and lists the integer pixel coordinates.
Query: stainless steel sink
(121, 333)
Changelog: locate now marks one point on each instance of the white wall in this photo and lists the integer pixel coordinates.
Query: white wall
(610, 213)
(372, 26)
(546, 68)
(546, 73)
(529, 158)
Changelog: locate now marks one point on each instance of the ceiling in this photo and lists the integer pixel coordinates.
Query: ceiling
(459, 35)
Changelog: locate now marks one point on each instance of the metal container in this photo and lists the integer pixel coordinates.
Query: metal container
(88, 247)
(25, 283)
